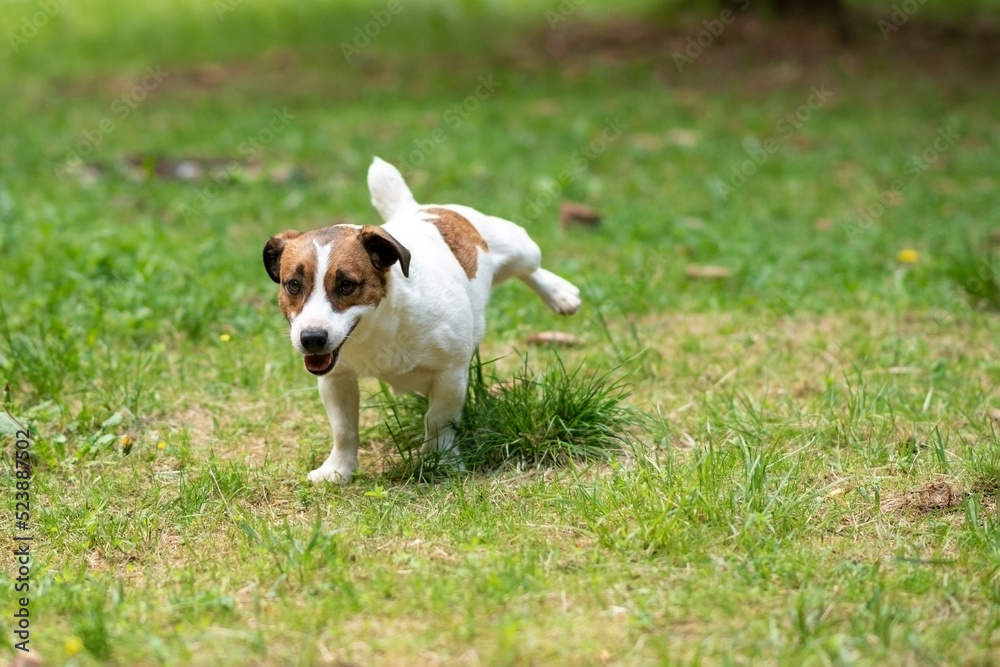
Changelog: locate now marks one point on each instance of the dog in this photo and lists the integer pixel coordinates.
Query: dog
(404, 302)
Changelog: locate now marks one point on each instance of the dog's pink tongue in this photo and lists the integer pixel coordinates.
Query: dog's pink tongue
(317, 363)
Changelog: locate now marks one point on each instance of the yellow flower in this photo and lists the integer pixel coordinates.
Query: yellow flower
(224, 338)
(72, 646)
(161, 445)
(908, 256)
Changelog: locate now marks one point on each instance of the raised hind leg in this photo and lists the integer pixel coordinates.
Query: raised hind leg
(558, 293)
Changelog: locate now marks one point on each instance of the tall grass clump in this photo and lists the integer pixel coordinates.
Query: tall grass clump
(533, 419)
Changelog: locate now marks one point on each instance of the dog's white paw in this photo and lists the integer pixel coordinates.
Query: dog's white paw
(561, 295)
(331, 474)
(558, 293)
(565, 300)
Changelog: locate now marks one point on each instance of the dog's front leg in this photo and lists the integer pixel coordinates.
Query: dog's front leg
(342, 400)
(444, 408)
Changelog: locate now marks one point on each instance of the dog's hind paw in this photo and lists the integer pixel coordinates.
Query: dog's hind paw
(558, 293)
(565, 301)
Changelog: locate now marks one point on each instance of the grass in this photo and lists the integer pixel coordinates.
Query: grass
(556, 417)
(974, 272)
(796, 461)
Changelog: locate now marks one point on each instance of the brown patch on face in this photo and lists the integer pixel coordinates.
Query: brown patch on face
(355, 266)
(461, 237)
(273, 250)
(296, 273)
(353, 279)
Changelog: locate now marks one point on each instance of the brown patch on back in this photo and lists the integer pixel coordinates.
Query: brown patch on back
(462, 238)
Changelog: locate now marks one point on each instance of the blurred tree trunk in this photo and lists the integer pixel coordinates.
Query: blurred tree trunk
(830, 12)
(794, 8)
(809, 8)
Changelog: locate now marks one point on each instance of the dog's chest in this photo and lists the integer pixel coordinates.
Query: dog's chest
(418, 380)
(393, 365)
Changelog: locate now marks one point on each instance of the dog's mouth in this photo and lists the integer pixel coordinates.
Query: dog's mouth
(321, 364)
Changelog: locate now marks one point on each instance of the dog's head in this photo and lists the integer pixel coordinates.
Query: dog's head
(329, 279)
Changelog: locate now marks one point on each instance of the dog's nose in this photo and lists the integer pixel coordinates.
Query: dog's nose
(313, 340)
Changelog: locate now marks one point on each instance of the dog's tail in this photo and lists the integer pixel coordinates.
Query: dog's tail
(390, 195)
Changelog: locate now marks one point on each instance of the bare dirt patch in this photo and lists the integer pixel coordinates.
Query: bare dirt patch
(934, 496)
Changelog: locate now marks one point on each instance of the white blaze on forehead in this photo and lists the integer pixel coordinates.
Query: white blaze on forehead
(317, 304)
(317, 313)
(317, 297)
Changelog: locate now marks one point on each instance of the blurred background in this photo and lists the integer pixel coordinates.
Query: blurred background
(770, 156)
(783, 218)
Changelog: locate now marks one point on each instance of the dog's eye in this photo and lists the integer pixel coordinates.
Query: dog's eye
(345, 287)
(293, 287)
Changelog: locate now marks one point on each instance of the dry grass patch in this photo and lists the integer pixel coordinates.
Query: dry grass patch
(791, 363)
(934, 496)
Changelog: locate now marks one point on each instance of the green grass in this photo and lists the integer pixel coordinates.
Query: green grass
(794, 464)
(530, 419)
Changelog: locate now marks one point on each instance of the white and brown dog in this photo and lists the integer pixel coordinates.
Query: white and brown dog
(404, 302)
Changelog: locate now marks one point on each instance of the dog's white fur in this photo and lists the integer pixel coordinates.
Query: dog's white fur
(422, 335)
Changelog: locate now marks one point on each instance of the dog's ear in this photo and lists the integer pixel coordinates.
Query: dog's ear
(272, 253)
(384, 250)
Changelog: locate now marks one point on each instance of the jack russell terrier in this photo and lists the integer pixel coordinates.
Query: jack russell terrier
(404, 302)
